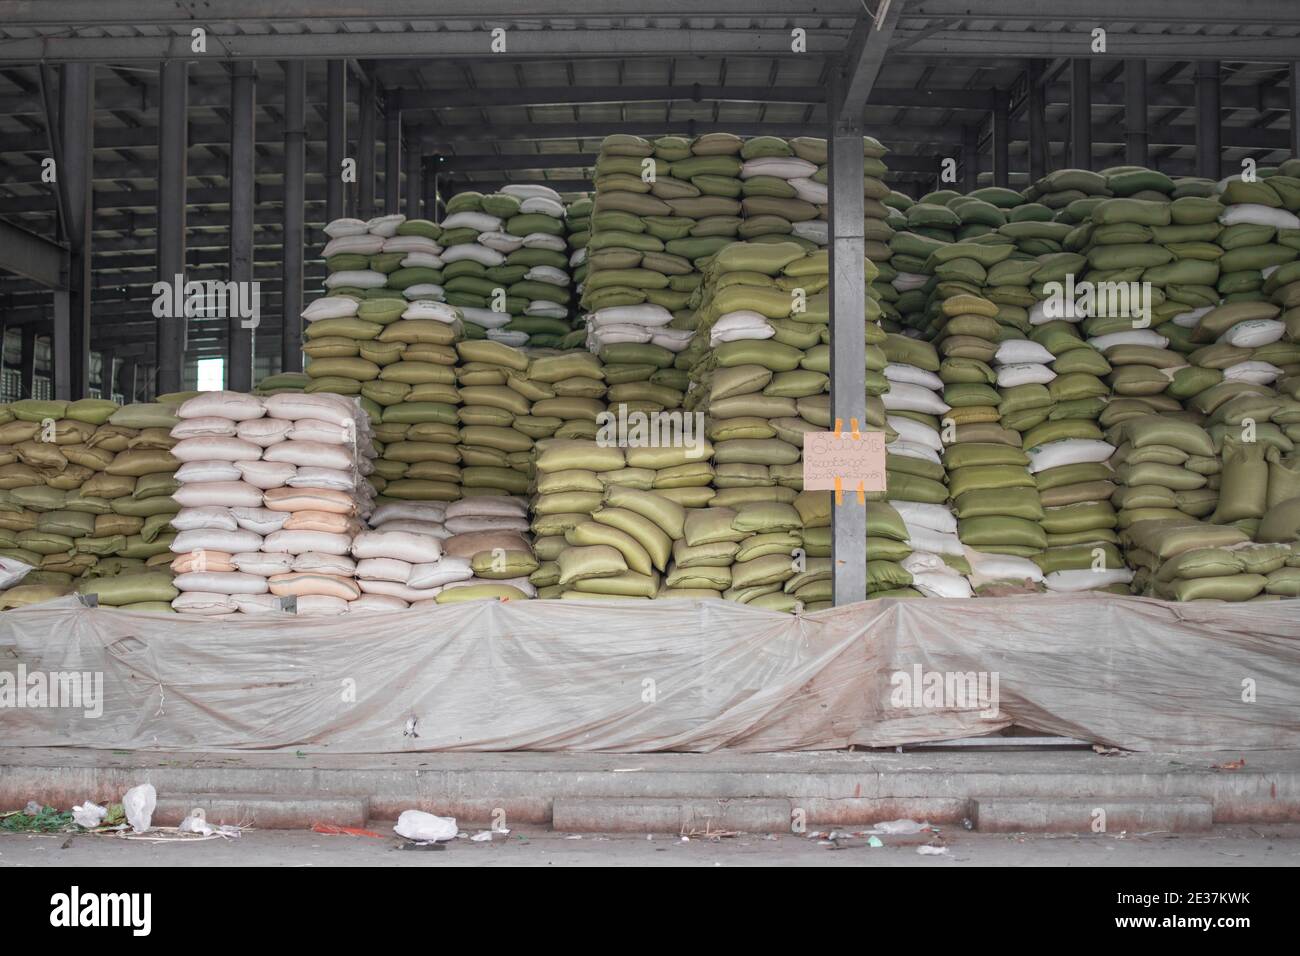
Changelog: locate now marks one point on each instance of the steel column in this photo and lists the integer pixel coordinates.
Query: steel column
(1001, 139)
(1081, 113)
(369, 120)
(129, 367)
(107, 363)
(1040, 147)
(1209, 121)
(173, 141)
(239, 354)
(1294, 85)
(392, 155)
(295, 86)
(412, 150)
(336, 136)
(1135, 112)
(970, 158)
(848, 290)
(431, 182)
(27, 363)
(71, 344)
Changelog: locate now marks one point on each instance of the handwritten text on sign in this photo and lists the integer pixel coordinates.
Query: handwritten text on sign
(835, 461)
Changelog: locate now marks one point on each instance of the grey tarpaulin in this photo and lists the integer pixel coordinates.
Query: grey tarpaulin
(664, 675)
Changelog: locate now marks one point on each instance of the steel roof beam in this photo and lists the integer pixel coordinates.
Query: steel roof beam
(862, 59)
(33, 257)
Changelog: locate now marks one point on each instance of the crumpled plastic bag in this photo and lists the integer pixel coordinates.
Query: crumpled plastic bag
(425, 827)
(138, 803)
(196, 822)
(900, 827)
(89, 815)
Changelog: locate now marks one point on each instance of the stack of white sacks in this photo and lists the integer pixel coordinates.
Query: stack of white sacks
(271, 493)
(417, 553)
(639, 324)
(914, 408)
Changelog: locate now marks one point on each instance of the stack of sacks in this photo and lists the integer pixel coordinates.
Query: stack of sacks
(495, 455)
(389, 343)
(1261, 231)
(505, 264)
(416, 425)
(589, 548)
(992, 489)
(916, 487)
(761, 376)
(540, 227)
(659, 209)
(567, 391)
(85, 500)
(364, 292)
(578, 223)
(416, 554)
(639, 353)
(399, 561)
(270, 492)
(784, 186)
(1062, 187)
(490, 533)
(1161, 467)
(903, 301)
(283, 382)
(912, 280)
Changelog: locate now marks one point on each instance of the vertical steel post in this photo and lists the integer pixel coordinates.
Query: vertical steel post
(368, 121)
(392, 155)
(295, 161)
(336, 136)
(1135, 112)
(1001, 138)
(27, 363)
(107, 361)
(1081, 113)
(1209, 119)
(71, 344)
(1295, 108)
(1040, 147)
(239, 334)
(970, 158)
(848, 292)
(413, 178)
(173, 143)
(129, 367)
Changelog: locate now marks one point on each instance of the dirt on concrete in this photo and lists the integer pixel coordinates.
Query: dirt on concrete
(1224, 846)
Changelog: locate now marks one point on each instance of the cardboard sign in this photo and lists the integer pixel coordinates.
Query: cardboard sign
(838, 461)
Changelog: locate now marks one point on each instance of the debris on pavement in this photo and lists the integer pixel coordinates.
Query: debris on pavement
(139, 803)
(420, 827)
(89, 814)
(331, 829)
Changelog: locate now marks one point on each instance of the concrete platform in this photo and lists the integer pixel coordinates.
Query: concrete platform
(827, 789)
(596, 792)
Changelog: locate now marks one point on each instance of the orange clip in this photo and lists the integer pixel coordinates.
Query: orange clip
(862, 494)
(853, 424)
(839, 427)
(839, 490)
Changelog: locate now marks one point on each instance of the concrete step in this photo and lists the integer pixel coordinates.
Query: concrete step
(826, 789)
(288, 811)
(1097, 815)
(669, 815)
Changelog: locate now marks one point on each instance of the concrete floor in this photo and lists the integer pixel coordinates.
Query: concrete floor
(1225, 846)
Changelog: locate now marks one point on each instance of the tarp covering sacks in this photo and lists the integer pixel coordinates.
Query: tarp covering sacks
(558, 675)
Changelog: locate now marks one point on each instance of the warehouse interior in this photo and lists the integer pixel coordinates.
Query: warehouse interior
(206, 147)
